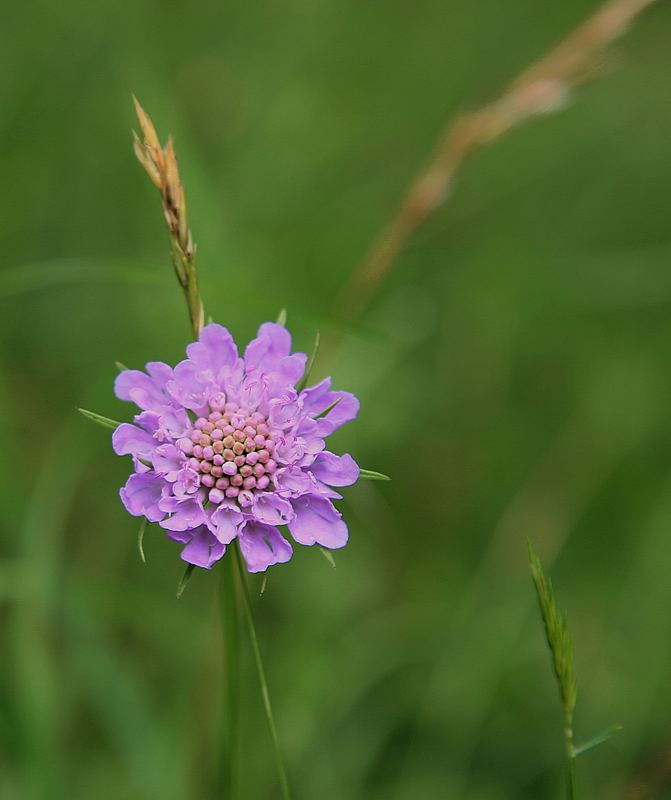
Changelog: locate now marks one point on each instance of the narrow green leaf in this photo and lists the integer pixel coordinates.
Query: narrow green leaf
(282, 317)
(371, 475)
(186, 577)
(121, 367)
(140, 540)
(311, 362)
(106, 422)
(328, 555)
(597, 740)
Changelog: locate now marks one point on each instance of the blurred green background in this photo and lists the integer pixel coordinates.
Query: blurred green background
(513, 372)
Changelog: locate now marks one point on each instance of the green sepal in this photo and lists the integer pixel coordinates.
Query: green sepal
(308, 369)
(282, 317)
(328, 555)
(140, 540)
(371, 475)
(328, 408)
(105, 422)
(121, 367)
(186, 577)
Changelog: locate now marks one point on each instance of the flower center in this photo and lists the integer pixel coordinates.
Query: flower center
(231, 450)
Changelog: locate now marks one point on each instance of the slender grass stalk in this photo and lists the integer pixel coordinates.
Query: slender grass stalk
(230, 707)
(561, 649)
(251, 627)
(542, 88)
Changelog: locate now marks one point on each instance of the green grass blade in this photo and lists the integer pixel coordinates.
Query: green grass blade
(597, 740)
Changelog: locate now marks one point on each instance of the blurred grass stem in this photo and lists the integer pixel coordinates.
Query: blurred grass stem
(251, 627)
(543, 88)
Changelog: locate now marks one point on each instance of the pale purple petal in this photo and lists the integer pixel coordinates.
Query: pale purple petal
(291, 368)
(161, 373)
(224, 523)
(293, 481)
(315, 398)
(190, 387)
(139, 388)
(285, 410)
(317, 522)
(168, 460)
(203, 549)
(214, 349)
(318, 398)
(129, 439)
(335, 470)
(141, 496)
(272, 509)
(272, 343)
(262, 546)
(187, 514)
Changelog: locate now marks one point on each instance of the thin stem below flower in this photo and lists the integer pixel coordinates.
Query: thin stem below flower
(570, 759)
(247, 607)
(230, 707)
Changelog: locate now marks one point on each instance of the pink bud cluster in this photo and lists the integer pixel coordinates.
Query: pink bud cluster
(231, 449)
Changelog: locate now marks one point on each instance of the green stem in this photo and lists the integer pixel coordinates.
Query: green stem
(247, 606)
(570, 759)
(230, 706)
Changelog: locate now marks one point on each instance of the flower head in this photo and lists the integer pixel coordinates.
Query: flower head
(225, 447)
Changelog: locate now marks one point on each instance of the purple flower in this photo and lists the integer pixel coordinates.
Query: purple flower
(225, 447)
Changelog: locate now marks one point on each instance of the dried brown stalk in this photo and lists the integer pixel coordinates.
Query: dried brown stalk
(543, 88)
(160, 163)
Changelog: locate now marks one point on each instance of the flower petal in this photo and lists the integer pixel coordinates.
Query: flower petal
(262, 546)
(214, 349)
(141, 495)
(335, 470)
(272, 344)
(292, 481)
(168, 460)
(139, 388)
(318, 398)
(272, 509)
(224, 523)
(190, 387)
(186, 514)
(129, 439)
(203, 549)
(317, 522)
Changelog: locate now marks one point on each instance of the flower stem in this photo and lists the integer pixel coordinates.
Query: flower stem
(570, 758)
(230, 709)
(247, 607)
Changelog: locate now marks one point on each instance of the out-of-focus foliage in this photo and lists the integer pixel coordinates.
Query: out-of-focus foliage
(514, 372)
